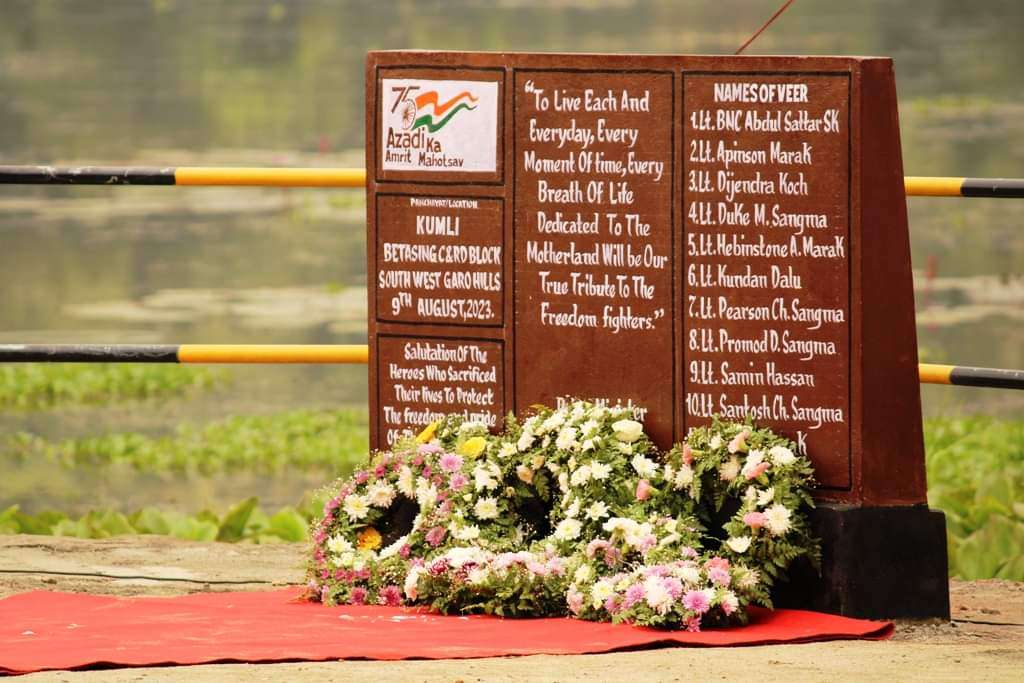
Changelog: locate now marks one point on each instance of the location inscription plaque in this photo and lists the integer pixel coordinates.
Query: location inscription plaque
(687, 236)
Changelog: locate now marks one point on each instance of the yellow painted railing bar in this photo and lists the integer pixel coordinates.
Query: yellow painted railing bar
(918, 186)
(273, 353)
(278, 177)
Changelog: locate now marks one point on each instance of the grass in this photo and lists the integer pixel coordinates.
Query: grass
(41, 386)
(976, 476)
(244, 521)
(332, 440)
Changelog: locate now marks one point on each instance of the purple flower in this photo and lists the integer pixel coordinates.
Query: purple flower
(451, 463)
(634, 594)
(696, 601)
(673, 585)
(612, 604)
(719, 576)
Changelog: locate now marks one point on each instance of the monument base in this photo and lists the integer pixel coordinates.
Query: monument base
(877, 562)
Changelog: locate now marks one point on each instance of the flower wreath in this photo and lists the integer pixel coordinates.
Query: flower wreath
(450, 519)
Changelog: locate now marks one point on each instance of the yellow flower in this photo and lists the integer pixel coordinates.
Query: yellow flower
(473, 447)
(428, 432)
(368, 539)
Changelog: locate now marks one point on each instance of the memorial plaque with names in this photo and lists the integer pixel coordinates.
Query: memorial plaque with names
(687, 235)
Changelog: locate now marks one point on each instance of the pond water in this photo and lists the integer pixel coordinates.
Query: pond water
(262, 82)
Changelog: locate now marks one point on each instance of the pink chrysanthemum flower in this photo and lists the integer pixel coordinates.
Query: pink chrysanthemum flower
(696, 601)
(457, 481)
(634, 594)
(612, 605)
(719, 576)
(450, 462)
(673, 585)
(436, 535)
(427, 448)
(390, 596)
(693, 624)
(362, 476)
(358, 596)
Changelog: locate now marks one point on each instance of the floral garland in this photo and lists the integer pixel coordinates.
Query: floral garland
(572, 511)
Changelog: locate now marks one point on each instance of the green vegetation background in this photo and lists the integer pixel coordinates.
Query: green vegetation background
(975, 464)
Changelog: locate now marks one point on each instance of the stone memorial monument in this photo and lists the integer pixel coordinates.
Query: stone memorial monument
(692, 236)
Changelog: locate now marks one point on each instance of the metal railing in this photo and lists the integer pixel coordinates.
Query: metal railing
(356, 177)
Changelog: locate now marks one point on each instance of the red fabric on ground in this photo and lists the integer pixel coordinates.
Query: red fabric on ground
(43, 630)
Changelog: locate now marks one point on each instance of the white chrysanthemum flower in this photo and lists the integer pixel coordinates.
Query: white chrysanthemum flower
(730, 602)
(684, 477)
(645, 467)
(765, 497)
(598, 413)
(601, 591)
(581, 476)
(730, 470)
(600, 470)
(781, 456)
(393, 549)
(338, 544)
(507, 451)
(563, 482)
(356, 507)
(470, 532)
(582, 573)
(716, 442)
(624, 448)
(739, 544)
(381, 494)
(597, 511)
(669, 472)
(588, 445)
(426, 494)
(411, 581)
(556, 420)
(486, 508)
(754, 458)
(526, 440)
(578, 412)
(482, 479)
(567, 530)
(566, 438)
(553, 467)
(405, 482)
(477, 576)
(777, 519)
(627, 430)
(750, 495)
(657, 596)
(589, 427)
(471, 427)
(688, 574)
(573, 510)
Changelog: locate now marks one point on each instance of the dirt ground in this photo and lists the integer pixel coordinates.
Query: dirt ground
(984, 641)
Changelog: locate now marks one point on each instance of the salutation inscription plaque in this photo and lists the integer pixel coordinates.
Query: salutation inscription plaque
(691, 236)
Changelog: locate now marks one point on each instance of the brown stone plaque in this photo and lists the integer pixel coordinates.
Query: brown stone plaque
(766, 291)
(439, 260)
(689, 235)
(420, 379)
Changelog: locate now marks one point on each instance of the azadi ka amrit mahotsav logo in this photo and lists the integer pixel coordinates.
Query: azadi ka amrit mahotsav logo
(439, 125)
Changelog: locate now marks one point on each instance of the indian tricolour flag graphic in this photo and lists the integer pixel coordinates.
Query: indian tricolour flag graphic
(430, 125)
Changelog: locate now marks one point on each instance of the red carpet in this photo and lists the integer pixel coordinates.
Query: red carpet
(43, 630)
